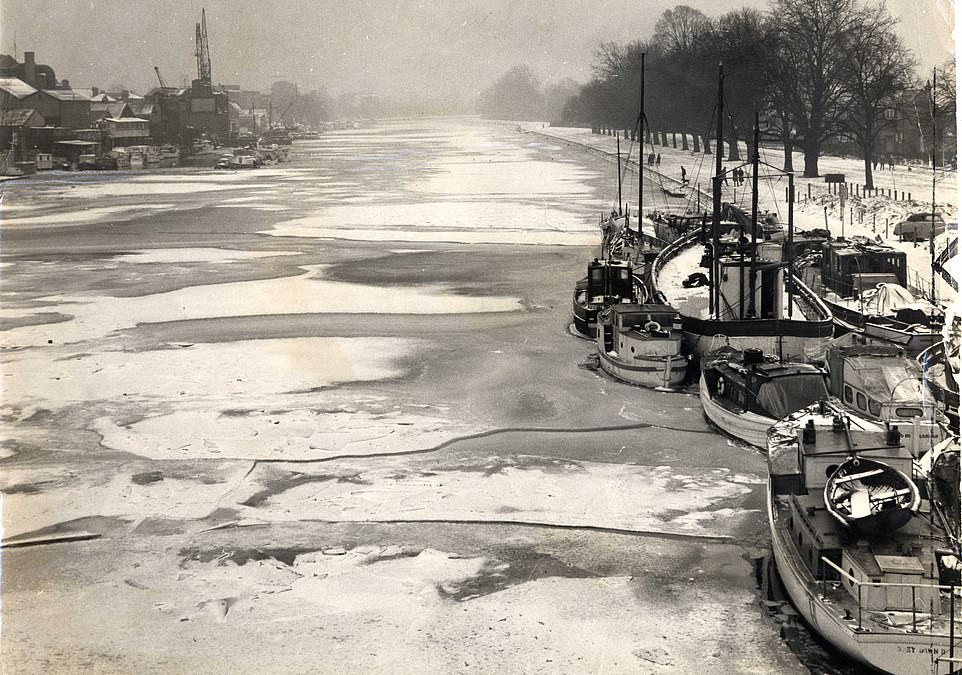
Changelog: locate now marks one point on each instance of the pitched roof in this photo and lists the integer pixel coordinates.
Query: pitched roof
(66, 95)
(16, 87)
(18, 118)
(7, 61)
(114, 109)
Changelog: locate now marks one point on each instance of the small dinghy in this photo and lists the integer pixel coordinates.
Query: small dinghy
(870, 496)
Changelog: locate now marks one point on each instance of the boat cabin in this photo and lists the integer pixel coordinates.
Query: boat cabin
(770, 388)
(850, 265)
(882, 383)
(642, 330)
(610, 279)
(737, 283)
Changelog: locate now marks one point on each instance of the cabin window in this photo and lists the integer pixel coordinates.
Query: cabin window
(799, 539)
(791, 522)
(861, 402)
(849, 396)
(908, 412)
(874, 407)
(632, 350)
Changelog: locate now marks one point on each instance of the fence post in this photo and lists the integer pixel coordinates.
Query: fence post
(809, 190)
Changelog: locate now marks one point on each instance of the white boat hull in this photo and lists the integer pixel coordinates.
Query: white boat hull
(651, 371)
(901, 653)
(745, 426)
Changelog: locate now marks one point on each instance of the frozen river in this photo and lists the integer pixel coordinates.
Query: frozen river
(326, 417)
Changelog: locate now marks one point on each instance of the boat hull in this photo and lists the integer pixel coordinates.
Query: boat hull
(745, 426)
(908, 653)
(651, 371)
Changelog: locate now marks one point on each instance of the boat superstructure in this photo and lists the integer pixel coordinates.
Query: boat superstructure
(884, 594)
(641, 344)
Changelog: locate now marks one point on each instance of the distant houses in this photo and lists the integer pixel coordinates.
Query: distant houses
(41, 114)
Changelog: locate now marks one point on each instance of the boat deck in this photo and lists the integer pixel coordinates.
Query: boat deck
(835, 599)
(693, 302)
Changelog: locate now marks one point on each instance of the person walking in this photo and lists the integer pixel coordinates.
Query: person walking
(684, 175)
(658, 159)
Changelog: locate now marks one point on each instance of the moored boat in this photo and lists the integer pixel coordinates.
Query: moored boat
(608, 282)
(863, 283)
(879, 381)
(641, 344)
(744, 392)
(882, 597)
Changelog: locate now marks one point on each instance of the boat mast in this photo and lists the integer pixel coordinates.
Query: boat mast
(715, 281)
(641, 146)
(934, 157)
(618, 151)
(751, 268)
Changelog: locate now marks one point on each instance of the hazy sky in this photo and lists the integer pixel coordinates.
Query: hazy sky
(385, 46)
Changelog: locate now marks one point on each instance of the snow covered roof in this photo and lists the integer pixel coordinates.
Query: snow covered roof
(18, 118)
(16, 87)
(66, 95)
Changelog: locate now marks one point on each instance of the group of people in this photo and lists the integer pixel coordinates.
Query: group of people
(738, 177)
(654, 160)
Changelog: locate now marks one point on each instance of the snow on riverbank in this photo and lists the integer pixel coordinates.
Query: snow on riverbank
(810, 213)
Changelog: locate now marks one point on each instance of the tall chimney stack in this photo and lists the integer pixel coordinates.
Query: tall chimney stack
(29, 69)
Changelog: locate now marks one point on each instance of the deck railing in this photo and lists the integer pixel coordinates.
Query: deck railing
(860, 628)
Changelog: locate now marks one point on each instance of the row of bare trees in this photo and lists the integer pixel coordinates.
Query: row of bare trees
(814, 69)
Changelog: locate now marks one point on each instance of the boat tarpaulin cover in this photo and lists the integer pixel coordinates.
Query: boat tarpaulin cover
(783, 396)
(896, 379)
(887, 299)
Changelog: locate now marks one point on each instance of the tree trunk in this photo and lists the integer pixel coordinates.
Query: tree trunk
(787, 146)
(707, 145)
(694, 141)
(684, 140)
(869, 182)
(733, 155)
(674, 140)
(664, 138)
(811, 160)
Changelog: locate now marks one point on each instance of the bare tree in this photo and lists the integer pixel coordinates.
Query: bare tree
(808, 70)
(680, 30)
(877, 69)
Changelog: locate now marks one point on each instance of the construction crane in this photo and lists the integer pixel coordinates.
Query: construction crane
(160, 78)
(201, 49)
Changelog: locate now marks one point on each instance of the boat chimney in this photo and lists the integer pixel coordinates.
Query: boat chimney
(838, 424)
(752, 356)
(808, 433)
(893, 436)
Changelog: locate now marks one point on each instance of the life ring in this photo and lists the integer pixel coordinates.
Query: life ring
(720, 387)
(652, 326)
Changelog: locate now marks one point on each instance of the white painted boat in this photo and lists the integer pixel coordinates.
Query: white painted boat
(642, 344)
(881, 599)
(745, 393)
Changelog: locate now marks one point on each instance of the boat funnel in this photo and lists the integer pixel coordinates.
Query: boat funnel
(752, 356)
(893, 436)
(808, 433)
